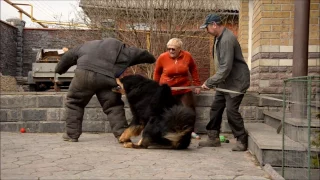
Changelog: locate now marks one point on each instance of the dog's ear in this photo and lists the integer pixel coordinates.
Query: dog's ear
(119, 88)
(119, 83)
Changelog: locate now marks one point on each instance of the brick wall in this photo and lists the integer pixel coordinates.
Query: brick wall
(34, 39)
(274, 22)
(8, 49)
(198, 46)
(45, 112)
(51, 39)
(272, 43)
(243, 33)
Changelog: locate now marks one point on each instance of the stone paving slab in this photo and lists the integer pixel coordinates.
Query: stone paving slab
(99, 156)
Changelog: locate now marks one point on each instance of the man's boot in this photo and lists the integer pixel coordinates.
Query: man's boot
(66, 137)
(212, 141)
(242, 143)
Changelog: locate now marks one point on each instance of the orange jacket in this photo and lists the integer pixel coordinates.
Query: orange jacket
(175, 72)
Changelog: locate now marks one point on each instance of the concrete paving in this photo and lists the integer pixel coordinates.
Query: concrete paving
(100, 156)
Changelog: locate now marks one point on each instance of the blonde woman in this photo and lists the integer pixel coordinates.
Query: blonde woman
(173, 68)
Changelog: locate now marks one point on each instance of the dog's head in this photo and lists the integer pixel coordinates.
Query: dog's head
(119, 88)
(129, 83)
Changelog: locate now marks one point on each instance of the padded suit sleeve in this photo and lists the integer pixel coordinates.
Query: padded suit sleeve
(67, 60)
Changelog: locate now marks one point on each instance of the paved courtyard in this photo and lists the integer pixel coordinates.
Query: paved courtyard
(99, 156)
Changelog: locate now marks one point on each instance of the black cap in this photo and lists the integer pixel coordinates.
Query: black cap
(210, 19)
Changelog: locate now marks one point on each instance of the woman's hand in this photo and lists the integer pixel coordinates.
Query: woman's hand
(197, 90)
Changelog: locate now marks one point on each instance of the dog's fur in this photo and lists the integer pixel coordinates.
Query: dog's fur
(162, 118)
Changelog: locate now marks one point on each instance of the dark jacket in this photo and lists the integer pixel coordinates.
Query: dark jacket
(233, 72)
(109, 57)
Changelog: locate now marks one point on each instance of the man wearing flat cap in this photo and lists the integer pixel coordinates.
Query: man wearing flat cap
(232, 73)
(99, 63)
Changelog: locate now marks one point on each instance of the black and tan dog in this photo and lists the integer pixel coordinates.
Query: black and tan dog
(155, 111)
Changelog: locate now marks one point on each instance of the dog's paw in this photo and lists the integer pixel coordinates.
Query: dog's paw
(125, 136)
(128, 145)
(124, 139)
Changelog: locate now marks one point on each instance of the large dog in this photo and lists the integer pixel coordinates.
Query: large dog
(162, 118)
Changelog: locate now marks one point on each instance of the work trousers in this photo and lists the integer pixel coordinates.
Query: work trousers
(235, 120)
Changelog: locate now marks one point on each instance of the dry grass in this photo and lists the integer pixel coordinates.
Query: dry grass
(8, 84)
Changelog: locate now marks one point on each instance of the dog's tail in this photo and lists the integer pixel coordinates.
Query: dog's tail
(180, 122)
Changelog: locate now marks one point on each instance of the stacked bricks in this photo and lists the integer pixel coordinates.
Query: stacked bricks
(272, 44)
(20, 25)
(243, 33)
(45, 112)
(8, 49)
(19, 47)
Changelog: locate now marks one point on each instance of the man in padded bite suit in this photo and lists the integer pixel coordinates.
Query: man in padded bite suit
(99, 63)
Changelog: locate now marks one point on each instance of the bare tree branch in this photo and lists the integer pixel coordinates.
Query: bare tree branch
(149, 24)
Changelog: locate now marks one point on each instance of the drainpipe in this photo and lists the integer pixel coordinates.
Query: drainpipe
(300, 56)
(301, 38)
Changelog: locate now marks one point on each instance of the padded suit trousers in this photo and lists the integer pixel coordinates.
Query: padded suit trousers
(83, 86)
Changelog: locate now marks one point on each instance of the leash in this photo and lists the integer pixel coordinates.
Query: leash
(254, 94)
(230, 91)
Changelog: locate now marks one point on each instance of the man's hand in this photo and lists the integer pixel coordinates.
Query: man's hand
(197, 90)
(65, 49)
(205, 87)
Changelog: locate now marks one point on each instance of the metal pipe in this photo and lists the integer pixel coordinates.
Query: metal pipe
(27, 14)
(31, 6)
(60, 23)
(79, 24)
(148, 41)
(40, 21)
(300, 57)
(301, 38)
(309, 125)
(20, 15)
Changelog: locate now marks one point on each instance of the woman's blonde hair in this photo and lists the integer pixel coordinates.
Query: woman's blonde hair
(175, 42)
